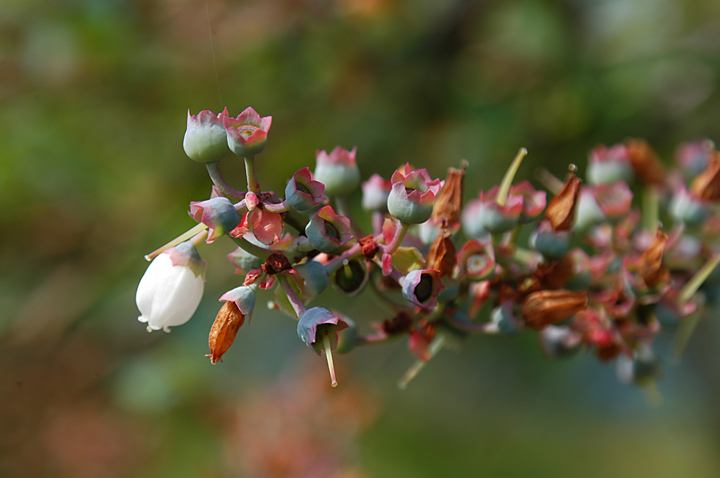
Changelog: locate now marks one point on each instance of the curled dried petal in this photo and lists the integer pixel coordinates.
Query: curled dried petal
(448, 203)
(645, 162)
(651, 269)
(547, 307)
(707, 185)
(223, 331)
(442, 256)
(561, 210)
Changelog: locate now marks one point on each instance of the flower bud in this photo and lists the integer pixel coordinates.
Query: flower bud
(245, 261)
(205, 138)
(587, 211)
(217, 213)
(609, 165)
(412, 195)
(170, 290)
(338, 171)
(247, 134)
(561, 210)
(375, 193)
(421, 287)
(694, 158)
(550, 243)
(302, 192)
(614, 200)
(687, 209)
(498, 218)
(546, 307)
(327, 231)
(534, 202)
(314, 276)
(470, 220)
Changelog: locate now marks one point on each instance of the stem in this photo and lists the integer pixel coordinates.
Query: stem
(549, 180)
(181, 238)
(510, 176)
(280, 207)
(353, 253)
(697, 280)
(402, 229)
(434, 348)
(650, 208)
(329, 357)
(252, 248)
(295, 301)
(200, 237)
(219, 181)
(252, 182)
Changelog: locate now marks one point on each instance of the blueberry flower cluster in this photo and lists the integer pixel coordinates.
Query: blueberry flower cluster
(603, 265)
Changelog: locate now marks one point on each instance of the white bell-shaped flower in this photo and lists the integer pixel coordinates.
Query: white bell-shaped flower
(171, 289)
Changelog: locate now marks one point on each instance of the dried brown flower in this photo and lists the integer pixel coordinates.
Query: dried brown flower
(223, 331)
(442, 256)
(448, 203)
(276, 262)
(707, 185)
(547, 307)
(369, 246)
(645, 162)
(561, 210)
(651, 269)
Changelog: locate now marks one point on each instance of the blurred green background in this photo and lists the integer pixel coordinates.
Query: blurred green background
(94, 96)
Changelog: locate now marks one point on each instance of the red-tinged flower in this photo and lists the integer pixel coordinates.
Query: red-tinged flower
(613, 199)
(421, 287)
(338, 171)
(247, 134)
(375, 193)
(694, 157)
(687, 208)
(534, 202)
(327, 231)
(412, 196)
(476, 260)
(494, 217)
(267, 226)
(609, 165)
(419, 341)
(205, 139)
(550, 243)
(303, 192)
(218, 214)
(319, 328)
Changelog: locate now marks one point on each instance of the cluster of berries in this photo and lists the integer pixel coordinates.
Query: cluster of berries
(600, 270)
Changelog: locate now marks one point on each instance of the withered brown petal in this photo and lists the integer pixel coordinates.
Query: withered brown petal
(368, 246)
(546, 307)
(275, 263)
(645, 162)
(399, 324)
(442, 256)
(651, 269)
(223, 331)
(561, 210)
(448, 203)
(707, 185)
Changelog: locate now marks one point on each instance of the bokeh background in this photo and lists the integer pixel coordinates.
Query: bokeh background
(93, 98)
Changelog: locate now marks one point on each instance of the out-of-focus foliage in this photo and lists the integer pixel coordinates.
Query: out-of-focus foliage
(92, 176)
